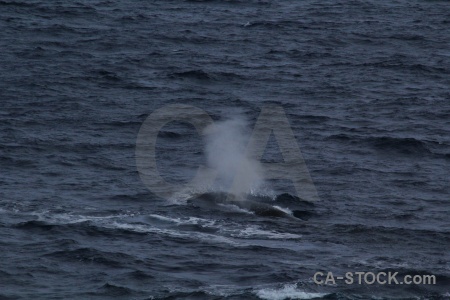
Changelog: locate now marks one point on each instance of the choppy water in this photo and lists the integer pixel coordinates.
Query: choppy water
(365, 85)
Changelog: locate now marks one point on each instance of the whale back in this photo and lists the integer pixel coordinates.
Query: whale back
(260, 206)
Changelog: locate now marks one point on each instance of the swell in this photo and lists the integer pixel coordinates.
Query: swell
(81, 228)
(386, 233)
(406, 146)
(92, 256)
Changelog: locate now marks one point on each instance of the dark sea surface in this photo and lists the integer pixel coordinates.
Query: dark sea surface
(365, 86)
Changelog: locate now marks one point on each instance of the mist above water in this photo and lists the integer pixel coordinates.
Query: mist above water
(226, 144)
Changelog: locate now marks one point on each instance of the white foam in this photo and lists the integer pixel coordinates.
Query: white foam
(66, 218)
(181, 197)
(167, 219)
(185, 221)
(285, 210)
(170, 232)
(264, 191)
(199, 221)
(117, 222)
(230, 229)
(288, 291)
(236, 208)
(231, 233)
(255, 231)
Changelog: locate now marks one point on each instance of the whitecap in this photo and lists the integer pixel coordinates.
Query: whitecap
(288, 291)
(236, 208)
(255, 231)
(286, 210)
(185, 221)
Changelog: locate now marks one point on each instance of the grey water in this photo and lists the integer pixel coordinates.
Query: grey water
(365, 87)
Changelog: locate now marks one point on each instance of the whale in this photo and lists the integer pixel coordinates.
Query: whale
(283, 206)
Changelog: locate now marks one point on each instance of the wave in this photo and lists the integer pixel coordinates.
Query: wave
(193, 74)
(219, 76)
(230, 229)
(92, 256)
(16, 3)
(388, 143)
(168, 134)
(284, 292)
(277, 24)
(112, 290)
(393, 232)
(403, 145)
(233, 233)
(35, 225)
(287, 291)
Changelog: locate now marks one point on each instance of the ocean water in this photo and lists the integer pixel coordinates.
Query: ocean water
(365, 87)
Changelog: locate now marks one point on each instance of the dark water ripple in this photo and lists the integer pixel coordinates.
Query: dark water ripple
(365, 85)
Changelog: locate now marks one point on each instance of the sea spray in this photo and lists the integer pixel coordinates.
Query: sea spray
(226, 152)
